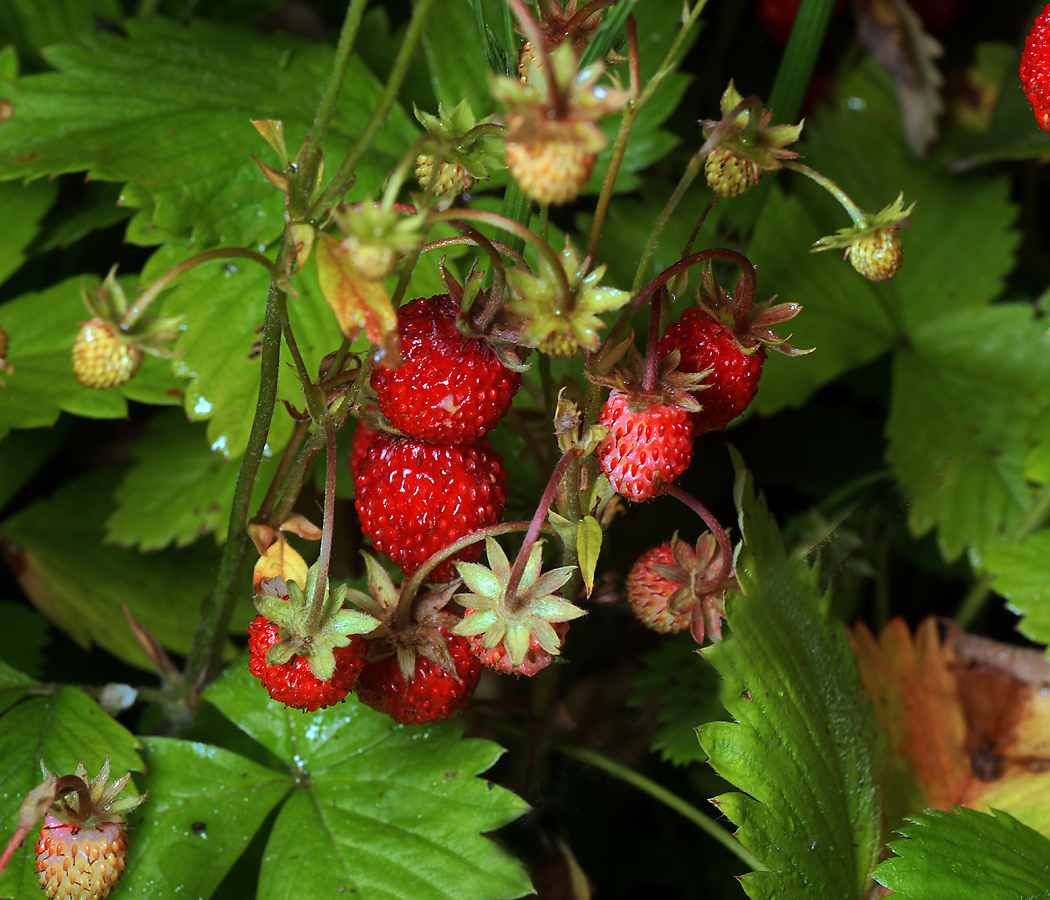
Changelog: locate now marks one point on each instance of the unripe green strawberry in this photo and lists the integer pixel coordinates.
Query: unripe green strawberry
(452, 179)
(552, 171)
(877, 255)
(728, 174)
(101, 359)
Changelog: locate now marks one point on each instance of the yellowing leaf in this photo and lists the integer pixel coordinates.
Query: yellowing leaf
(280, 559)
(358, 304)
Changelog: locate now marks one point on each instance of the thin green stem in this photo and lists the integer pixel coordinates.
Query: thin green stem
(288, 458)
(859, 217)
(324, 557)
(210, 637)
(144, 299)
(297, 477)
(315, 400)
(341, 181)
(669, 799)
(330, 96)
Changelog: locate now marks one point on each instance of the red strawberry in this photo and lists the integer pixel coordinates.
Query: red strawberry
(359, 446)
(1035, 68)
(432, 693)
(536, 658)
(675, 586)
(450, 388)
(649, 444)
(706, 343)
(83, 841)
(415, 498)
(293, 683)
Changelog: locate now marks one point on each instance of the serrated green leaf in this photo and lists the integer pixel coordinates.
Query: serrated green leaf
(588, 548)
(805, 743)
(31, 25)
(967, 855)
(56, 548)
(178, 490)
(223, 307)
(98, 207)
(967, 393)
(684, 690)
(1022, 576)
(392, 810)
(21, 209)
(204, 806)
(856, 141)
(13, 685)
(169, 108)
(62, 730)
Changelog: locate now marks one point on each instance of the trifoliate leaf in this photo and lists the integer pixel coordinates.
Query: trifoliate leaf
(178, 490)
(391, 810)
(1022, 576)
(61, 730)
(168, 108)
(967, 392)
(967, 855)
(191, 830)
(805, 744)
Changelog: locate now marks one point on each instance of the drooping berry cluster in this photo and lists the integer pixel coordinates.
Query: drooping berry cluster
(438, 479)
(1035, 68)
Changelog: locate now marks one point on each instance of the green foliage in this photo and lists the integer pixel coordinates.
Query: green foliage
(390, 810)
(1021, 576)
(167, 108)
(62, 729)
(22, 207)
(177, 491)
(805, 743)
(30, 25)
(79, 582)
(936, 859)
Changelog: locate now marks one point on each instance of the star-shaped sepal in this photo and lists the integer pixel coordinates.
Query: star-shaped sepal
(305, 634)
(513, 622)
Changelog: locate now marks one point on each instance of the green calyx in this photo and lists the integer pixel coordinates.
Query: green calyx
(558, 325)
(513, 622)
(95, 802)
(377, 237)
(109, 304)
(888, 218)
(462, 140)
(748, 136)
(302, 632)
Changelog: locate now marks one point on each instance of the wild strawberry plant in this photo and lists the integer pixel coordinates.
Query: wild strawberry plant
(435, 462)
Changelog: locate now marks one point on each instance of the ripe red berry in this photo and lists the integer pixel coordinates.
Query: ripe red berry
(706, 343)
(649, 444)
(359, 447)
(415, 498)
(293, 683)
(1035, 68)
(450, 388)
(431, 694)
(497, 658)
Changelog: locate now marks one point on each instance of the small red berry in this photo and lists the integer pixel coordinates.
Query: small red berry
(706, 343)
(431, 694)
(359, 447)
(497, 658)
(648, 445)
(1035, 68)
(293, 683)
(450, 388)
(415, 498)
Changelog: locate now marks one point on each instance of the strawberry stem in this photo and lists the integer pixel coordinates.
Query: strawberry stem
(288, 458)
(538, 518)
(410, 587)
(324, 557)
(534, 34)
(652, 350)
(859, 217)
(511, 254)
(716, 529)
(580, 19)
(142, 302)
